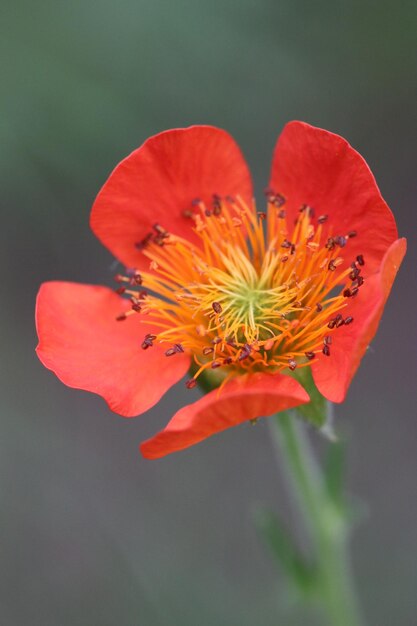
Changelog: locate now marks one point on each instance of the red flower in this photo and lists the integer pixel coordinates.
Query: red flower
(244, 297)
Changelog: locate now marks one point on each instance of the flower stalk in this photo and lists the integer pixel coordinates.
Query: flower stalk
(325, 521)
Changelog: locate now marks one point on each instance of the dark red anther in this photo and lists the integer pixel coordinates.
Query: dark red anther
(292, 364)
(246, 350)
(228, 360)
(347, 293)
(231, 342)
(215, 365)
(144, 242)
(352, 234)
(208, 213)
(121, 318)
(208, 350)
(326, 350)
(176, 348)
(292, 249)
(286, 244)
(148, 341)
(279, 200)
(136, 304)
(322, 218)
(216, 340)
(136, 279)
(332, 323)
(217, 307)
(330, 243)
(360, 260)
(339, 320)
(354, 273)
(120, 290)
(190, 384)
(310, 355)
(216, 203)
(319, 307)
(262, 215)
(281, 214)
(284, 258)
(331, 266)
(340, 241)
(327, 340)
(348, 320)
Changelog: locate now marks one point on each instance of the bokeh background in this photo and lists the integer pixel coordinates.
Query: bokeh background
(92, 534)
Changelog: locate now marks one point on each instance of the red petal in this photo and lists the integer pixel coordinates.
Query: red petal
(240, 400)
(314, 167)
(80, 340)
(333, 375)
(159, 180)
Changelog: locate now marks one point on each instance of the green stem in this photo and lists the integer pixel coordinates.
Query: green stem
(325, 523)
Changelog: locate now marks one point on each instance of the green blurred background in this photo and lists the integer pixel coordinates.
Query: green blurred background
(92, 534)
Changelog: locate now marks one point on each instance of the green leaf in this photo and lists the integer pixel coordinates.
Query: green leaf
(276, 536)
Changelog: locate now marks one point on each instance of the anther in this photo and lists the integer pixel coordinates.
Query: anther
(360, 260)
(121, 318)
(330, 243)
(282, 214)
(246, 350)
(326, 350)
(190, 384)
(136, 304)
(310, 355)
(319, 307)
(207, 350)
(144, 242)
(228, 360)
(215, 365)
(148, 341)
(322, 218)
(348, 320)
(216, 341)
(286, 244)
(354, 273)
(262, 215)
(352, 234)
(136, 279)
(327, 340)
(335, 263)
(340, 241)
(120, 290)
(217, 307)
(177, 347)
(292, 364)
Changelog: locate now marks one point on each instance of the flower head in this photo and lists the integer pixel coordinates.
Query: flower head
(243, 296)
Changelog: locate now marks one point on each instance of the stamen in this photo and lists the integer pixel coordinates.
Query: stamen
(257, 294)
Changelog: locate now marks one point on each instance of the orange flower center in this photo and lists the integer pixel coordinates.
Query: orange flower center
(258, 294)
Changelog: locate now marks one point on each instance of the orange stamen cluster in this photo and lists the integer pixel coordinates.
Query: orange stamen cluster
(258, 294)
